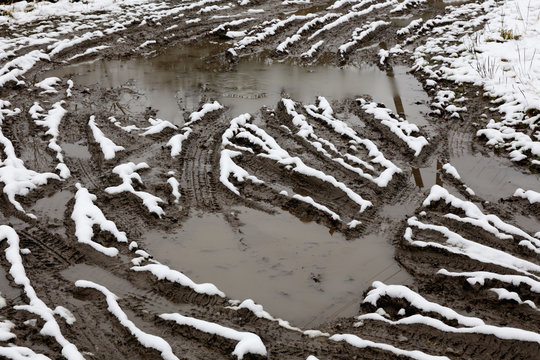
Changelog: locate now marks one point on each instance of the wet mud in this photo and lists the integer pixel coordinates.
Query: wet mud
(301, 264)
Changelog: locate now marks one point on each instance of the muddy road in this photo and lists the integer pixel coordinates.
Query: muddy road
(167, 167)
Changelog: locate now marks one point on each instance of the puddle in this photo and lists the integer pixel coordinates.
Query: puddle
(179, 78)
(426, 177)
(296, 270)
(76, 150)
(493, 178)
(52, 209)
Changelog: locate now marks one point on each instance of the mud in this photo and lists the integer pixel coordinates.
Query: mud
(295, 260)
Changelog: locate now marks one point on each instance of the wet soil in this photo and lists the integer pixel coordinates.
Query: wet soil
(293, 259)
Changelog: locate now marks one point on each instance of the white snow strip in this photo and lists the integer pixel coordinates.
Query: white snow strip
(228, 167)
(174, 188)
(490, 223)
(108, 147)
(504, 294)
(323, 111)
(312, 50)
(480, 277)
(506, 333)
(52, 122)
(248, 343)
(456, 244)
(418, 301)
(451, 171)
(157, 126)
(128, 172)
(20, 353)
(402, 128)
(85, 215)
(242, 129)
(531, 195)
(36, 305)
(5, 329)
(361, 33)
(206, 108)
(48, 85)
(163, 272)
(362, 344)
(309, 200)
(17, 179)
(145, 339)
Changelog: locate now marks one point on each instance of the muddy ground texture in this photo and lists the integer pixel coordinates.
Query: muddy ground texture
(55, 252)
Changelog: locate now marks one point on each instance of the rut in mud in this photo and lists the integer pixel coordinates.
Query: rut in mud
(182, 155)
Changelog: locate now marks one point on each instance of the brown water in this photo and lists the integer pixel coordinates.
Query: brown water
(175, 82)
(493, 178)
(299, 271)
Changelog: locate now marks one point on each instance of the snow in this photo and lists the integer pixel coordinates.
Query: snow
(360, 33)
(52, 122)
(451, 171)
(228, 167)
(163, 272)
(475, 216)
(20, 353)
(17, 179)
(36, 305)
(312, 50)
(128, 172)
(361, 343)
(174, 188)
(309, 200)
(242, 129)
(506, 333)
(402, 128)
(495, 48)
(65, 314)
(85, 215)
(282, 47)
(5, 330)
(402, 292)
(531, 195)
(350, 16)
(269, 31)
(323, 111)
(48, 85)
(157, 126)
(108, 147)
(146, 340)
(504, 294)
(456, 244)
(480, 277)
(175, 143)
(248, 343)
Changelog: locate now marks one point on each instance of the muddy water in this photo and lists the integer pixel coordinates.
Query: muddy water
(298, 271)
(493, 178)
(175, 82)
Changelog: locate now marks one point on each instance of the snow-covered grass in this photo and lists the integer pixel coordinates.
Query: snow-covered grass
(502, 57)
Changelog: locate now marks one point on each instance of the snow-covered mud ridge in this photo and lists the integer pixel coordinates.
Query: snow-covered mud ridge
(168, 190)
